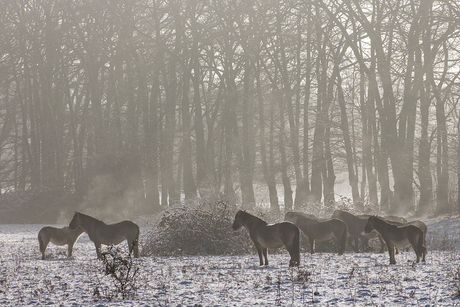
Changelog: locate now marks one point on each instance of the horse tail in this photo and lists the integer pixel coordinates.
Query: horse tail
(135, 246)
(421, 242)
(343, 239)
(296, 245)
(41, 243)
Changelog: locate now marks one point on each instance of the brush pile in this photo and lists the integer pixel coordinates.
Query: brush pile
(196, 229)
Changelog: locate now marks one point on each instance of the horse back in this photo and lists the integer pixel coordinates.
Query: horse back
(355, 224)
(275, 235)
(416, 223)
(420, 225)
(116, 233)
(59, 236)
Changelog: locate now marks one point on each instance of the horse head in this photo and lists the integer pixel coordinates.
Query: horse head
(238, 220)
(75, 223)
(370, 224)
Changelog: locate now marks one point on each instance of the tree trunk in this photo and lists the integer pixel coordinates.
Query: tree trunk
(269, 179)
(188, 181)
(352, 177)
(318, 162)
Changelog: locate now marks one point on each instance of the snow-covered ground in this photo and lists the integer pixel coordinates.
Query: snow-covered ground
(364, 279)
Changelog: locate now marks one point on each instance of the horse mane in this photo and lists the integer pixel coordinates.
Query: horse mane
(249, 215)
(90, 217)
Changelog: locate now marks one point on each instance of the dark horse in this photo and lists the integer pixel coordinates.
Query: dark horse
(393, 219)
(404, 222)
(58, 236)
(398, 237)
(101, 233)
(319, 229)
(356, 225)
(270, 236)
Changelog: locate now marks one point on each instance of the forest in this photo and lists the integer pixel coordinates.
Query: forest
(150, 103)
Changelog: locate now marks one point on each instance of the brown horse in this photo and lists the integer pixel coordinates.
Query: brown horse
(101, 233)
(398, 237)
(417, 223)
(317, 229)
(389, 218)
(267, 236)
(58, 236)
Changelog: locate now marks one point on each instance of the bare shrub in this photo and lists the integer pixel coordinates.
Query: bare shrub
(123, 272)
(195, 229)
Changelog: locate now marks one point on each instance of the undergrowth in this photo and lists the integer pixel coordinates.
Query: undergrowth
(196, 229)
(123, 272)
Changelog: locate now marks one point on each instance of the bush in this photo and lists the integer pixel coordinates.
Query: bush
(123, 272)
(196, 229)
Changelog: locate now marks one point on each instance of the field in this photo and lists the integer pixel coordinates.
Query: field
(323, 279)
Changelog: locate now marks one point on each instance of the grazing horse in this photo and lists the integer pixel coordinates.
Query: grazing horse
(270, 236)
(317, 229)
(101, 233)
(58, 236)
(398, 237)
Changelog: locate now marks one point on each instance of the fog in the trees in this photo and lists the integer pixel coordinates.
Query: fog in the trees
(124, 108)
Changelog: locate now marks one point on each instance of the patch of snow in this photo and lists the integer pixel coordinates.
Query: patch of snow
(323, 279)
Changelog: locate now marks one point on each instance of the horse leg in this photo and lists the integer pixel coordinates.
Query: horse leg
(69, 249)
(43, 244)
(136, 248)
(133, 246)
(341, 238)
(294, 252)
(98, 250)
(365, 242)
(265, 250)
(417, 245)
(391, 251)
(260, 251)
(355, 246)
(312, 245)
(417, 250)
(382, 244)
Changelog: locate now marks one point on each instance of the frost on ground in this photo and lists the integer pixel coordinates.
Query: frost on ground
(323, 279)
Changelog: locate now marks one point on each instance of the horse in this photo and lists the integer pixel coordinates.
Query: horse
(417, 223)
(398, 237)
(356, 225)
(389, 218)
(319, 229)
(267, 236)
(58, 236)
(101, 233)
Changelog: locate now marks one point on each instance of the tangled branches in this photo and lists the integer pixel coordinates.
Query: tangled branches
(195, 229)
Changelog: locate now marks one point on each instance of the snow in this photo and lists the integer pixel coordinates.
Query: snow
(324, 279)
